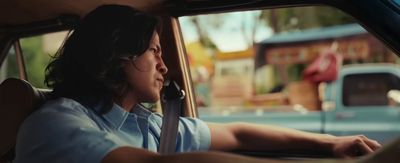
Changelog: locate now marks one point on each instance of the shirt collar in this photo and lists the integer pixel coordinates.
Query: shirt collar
(141, 111)
(116, 116)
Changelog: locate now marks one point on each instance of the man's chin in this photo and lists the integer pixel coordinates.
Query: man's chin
(153, 99)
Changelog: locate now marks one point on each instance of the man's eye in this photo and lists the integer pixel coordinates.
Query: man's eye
(154, 50)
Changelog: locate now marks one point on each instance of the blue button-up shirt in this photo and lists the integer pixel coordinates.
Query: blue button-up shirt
(63, 130)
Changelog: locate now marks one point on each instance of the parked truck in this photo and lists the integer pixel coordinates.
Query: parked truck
(363, 100)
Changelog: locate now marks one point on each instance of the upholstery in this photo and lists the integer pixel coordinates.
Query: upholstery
(18, 99)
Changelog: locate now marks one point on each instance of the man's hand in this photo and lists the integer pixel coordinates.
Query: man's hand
(353, 146)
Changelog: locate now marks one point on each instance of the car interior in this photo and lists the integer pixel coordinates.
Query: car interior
(27, 18)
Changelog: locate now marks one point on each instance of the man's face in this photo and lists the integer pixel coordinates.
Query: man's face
(145, 73)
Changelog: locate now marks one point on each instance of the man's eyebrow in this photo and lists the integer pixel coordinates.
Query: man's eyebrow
(158, 47)
(155, 44)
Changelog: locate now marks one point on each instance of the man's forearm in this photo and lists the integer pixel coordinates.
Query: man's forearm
(245, 136)
(274, 138)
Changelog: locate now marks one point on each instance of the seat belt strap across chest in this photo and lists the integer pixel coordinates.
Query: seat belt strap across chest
(172, 105)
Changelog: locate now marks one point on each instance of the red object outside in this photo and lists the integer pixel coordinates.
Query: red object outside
(325, 68)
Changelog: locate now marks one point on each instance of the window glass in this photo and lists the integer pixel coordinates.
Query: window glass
(9, 68)
(281, 66)
(37, 52)
(369, 89)
(268, 59)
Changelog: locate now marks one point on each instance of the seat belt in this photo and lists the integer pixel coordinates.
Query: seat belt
(172, 105)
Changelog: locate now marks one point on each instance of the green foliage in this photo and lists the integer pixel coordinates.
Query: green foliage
(299, 18)
(35, 60)
(295, 72)
(204, 37)
(11, 65)
(279, 20)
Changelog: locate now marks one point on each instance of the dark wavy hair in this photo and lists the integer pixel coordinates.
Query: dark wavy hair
(88, 67)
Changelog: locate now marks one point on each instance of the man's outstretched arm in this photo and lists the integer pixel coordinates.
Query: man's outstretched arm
(245, 136)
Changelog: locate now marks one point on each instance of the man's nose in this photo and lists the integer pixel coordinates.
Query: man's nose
(161, 67)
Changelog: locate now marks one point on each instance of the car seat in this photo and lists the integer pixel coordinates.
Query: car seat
(18, 99)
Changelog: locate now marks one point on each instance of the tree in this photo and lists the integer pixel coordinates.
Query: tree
(202, 32)
(300, 18)
(279, 20)
(35, 60)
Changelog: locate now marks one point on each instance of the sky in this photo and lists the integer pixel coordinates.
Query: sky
(229, 36)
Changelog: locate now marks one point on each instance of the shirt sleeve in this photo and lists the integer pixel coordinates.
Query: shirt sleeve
(193, 135)
(63, 135)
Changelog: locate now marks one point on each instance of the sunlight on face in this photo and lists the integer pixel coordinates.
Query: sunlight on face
(145, 73)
